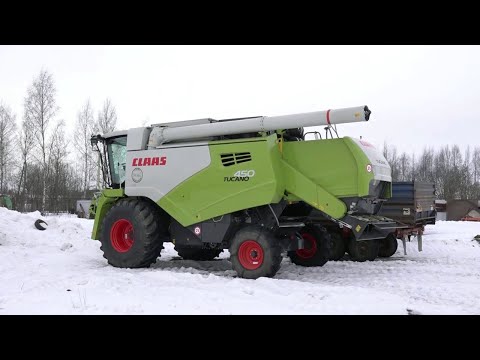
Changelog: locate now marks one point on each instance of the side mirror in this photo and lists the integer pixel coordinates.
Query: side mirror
(94, 142)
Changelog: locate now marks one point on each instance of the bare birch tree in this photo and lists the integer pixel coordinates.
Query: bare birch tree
(58, 152)
(405, 171)
(25, 144)
(7, 144)
(40, 110)
(106, 122)
(107, 118)
(84, 128)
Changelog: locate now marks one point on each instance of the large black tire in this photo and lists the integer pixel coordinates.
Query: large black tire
(363, 250)
(337, 246)
(388, 246)
(317, 248)
(198, 254)
(255, 252)
(132, 234)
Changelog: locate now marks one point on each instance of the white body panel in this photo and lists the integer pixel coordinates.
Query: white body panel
(380, 166)
(166, 169)
(138, 138)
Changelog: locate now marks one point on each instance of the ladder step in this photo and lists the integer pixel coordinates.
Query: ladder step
(291, 224)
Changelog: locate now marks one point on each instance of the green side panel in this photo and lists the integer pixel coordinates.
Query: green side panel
(304, 188)
(104, 203)
(209, 194)
(338, 166)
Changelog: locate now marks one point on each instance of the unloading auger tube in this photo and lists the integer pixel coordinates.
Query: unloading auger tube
(164, 134)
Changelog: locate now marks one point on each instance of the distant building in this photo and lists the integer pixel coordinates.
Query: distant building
(459, 209)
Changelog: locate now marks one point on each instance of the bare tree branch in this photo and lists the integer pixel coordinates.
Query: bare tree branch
(84, 129)
(40, 109)
(7, 141)
(107, 118)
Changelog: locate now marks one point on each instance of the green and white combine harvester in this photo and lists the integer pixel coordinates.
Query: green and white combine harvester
(253, 186)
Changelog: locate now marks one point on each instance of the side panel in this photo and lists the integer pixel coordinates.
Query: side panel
(104, 203)
(364, 177)
(344, 167)
(380, 167)
(411, 203)
(242, 174)
(211, 231)
(154, 173)
(314, 195)
(337, 165)
(137, 138)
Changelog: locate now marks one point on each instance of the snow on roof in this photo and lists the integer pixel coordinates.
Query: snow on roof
(115, 133)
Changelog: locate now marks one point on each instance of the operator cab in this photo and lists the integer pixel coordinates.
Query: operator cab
(117, 160)
(113, 157)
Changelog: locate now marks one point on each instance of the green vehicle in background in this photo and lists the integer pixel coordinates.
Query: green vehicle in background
(6, 201)
(253, 186)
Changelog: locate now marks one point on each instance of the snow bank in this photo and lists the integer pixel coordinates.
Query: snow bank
(62, 271)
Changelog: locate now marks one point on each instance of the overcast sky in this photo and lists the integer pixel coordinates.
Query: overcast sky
(419, 95)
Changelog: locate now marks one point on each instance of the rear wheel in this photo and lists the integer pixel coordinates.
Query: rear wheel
(255, 252)
(363, 250)
(132, 234)
(388, 246)
(337, 246)
(316, 251)
(198, 254)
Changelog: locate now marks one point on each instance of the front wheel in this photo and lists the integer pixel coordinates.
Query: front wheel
(255, 252)
(132, 234)
(316, 251)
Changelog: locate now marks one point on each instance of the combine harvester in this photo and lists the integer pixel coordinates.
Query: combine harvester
(251, 185)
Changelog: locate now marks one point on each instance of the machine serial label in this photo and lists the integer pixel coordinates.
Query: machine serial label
(240, 175)
(150, 161)
(236, 178)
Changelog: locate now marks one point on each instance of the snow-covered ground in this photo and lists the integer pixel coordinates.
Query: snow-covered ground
(62, 271)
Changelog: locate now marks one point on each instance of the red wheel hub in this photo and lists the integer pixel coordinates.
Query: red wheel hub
(121, 235)
(310, 248)
(250, 255)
